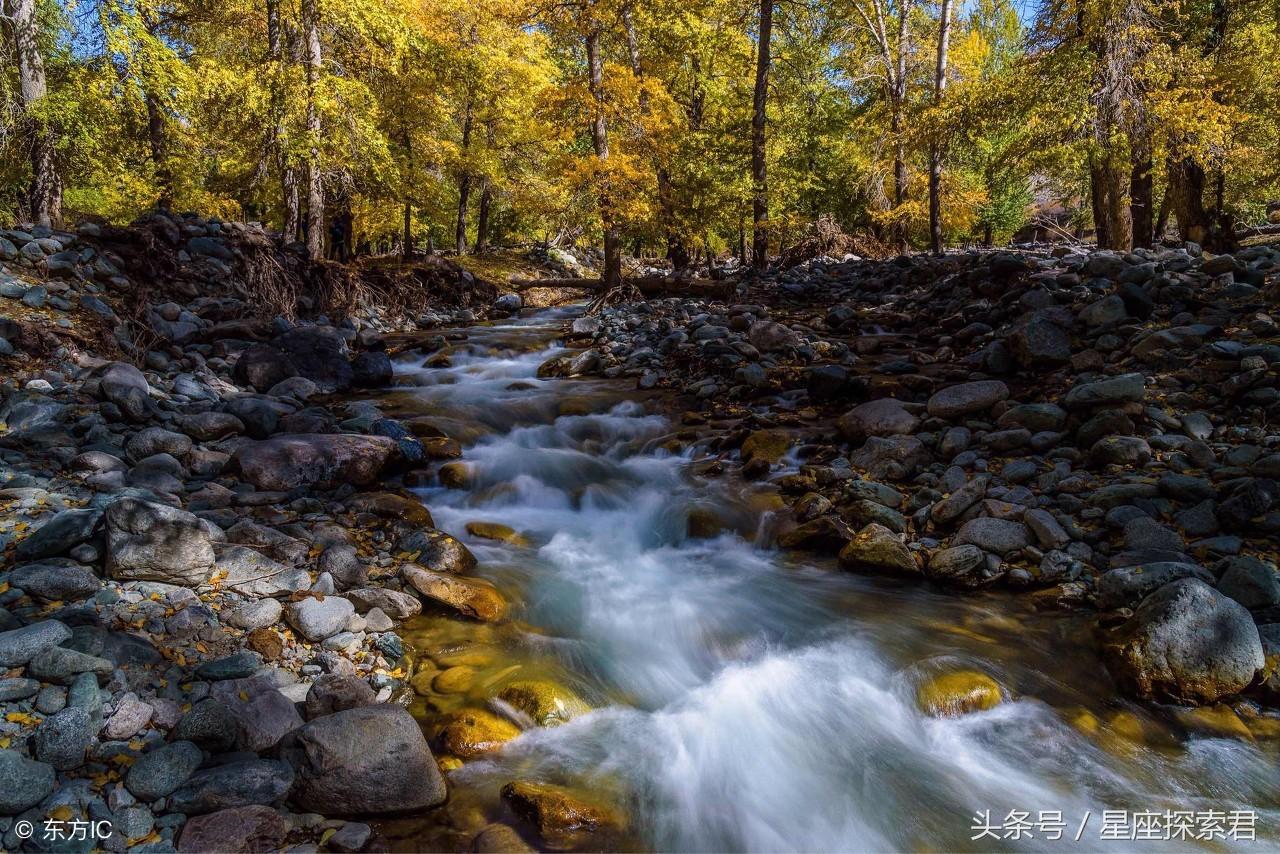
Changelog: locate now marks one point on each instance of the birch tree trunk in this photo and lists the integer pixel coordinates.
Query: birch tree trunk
(935, 149)
(315, 189)
(45, 196)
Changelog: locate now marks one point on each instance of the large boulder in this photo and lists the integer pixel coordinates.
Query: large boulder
(366, 760)
(156, 542)
(322, 460)
(319, 353)
(1186, 643)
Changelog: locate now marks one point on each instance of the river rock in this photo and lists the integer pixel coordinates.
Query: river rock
(546, 703)
(19, 646)
(883, 417)
(961, 566)
(372, 369)
(370, 760)
(876, 547)
(262, 367)
(1186, 643)
(210, 724)
(1126, 388)
(63, 532)
(158, 772)
(438, 552)
(891, 457)
(323, 461)
(1250, 582)
(967, 398)
(1001, 536)
(239, 830)
(958, 692)
(126, 387)
(471, 597)
(317, 619)
(563, 817)
(56, 581)
(394, 603)
(335, 692)
(235, 784)
(156, 542)
(62, 738)
(469, 733)
(319, 353)
(255, 614)
(23, 782)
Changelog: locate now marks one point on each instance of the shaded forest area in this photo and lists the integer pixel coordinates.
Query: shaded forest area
(664, 130)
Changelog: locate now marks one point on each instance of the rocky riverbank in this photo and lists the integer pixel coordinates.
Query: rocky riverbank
(1090, 428)
(204, 567)
(211, 552)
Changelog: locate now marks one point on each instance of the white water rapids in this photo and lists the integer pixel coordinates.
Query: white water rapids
(750, 700)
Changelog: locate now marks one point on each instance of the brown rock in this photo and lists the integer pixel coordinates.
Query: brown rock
(239, 830)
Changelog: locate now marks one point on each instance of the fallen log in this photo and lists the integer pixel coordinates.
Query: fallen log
(649, 286)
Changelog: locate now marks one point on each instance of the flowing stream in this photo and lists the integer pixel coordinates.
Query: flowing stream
(747, 699)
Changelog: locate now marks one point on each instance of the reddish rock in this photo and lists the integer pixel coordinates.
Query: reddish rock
(233, 831)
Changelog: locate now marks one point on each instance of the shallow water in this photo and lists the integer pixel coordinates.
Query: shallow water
(752, 700)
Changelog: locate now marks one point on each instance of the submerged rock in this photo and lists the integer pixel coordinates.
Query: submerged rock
(958, 692)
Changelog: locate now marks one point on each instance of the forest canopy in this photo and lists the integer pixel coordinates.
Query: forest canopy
(657, 127)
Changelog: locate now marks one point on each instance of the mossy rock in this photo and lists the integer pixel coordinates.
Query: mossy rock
(958, 692)
(576, 406)
(561, 816)
(1219, 721)
(704, 523)
(547, 703)
(496, 531)
(421, 681)
(767, 445)
(455, 680)
(473, 732)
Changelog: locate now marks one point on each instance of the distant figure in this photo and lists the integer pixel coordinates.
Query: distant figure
(340, 237)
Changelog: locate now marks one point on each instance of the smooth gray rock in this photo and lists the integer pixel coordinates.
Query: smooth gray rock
(1000, 536)
(256, 614)
(967, 398)
(317, 619)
